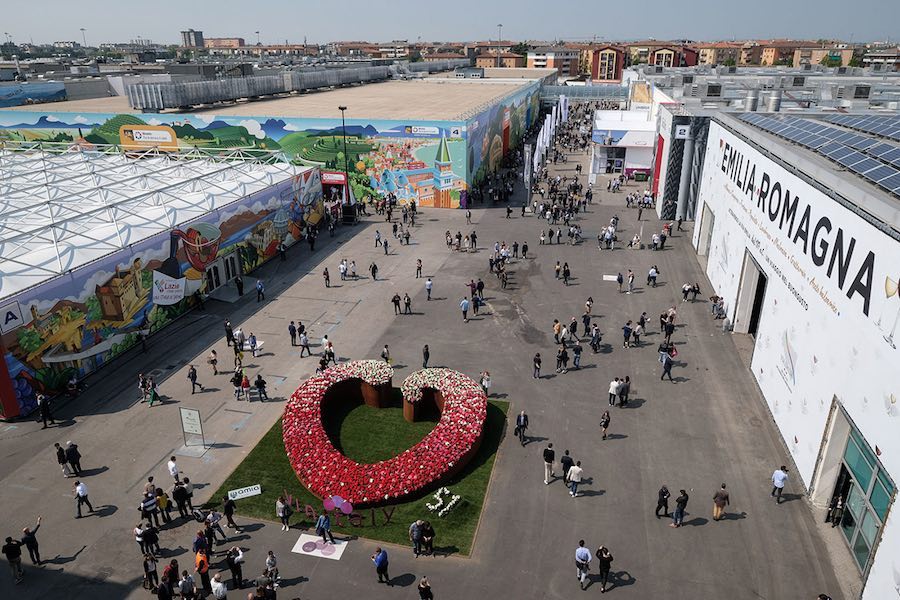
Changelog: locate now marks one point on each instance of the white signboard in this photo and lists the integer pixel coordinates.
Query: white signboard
(155, 136)
(190, 421)
(245, 492)
(167, 290)
(682, 132)
(12, 317)
(423, 130)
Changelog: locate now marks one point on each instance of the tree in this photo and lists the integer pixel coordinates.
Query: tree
(729, 62)
(855, 61)
(831, 61)
(520, 48)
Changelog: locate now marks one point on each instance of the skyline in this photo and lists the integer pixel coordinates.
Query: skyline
(382, 21)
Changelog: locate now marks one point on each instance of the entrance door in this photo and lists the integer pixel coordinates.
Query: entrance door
(213, 278)
(707, 225)
(750, 298)
(757, 304)
(231, 266)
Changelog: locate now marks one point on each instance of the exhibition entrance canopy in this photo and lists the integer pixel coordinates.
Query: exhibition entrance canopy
(62, 207)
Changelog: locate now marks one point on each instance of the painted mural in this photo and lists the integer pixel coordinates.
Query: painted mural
(500, 128)
(17, 94)
(396, 157)
(78, 322)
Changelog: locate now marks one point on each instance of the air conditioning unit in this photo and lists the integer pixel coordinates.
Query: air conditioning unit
(657, 69)
(688, 79)
(798, 81)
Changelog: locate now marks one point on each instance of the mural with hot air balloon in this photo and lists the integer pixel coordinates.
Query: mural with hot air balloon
(78, 322)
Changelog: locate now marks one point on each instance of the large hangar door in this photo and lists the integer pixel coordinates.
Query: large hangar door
(751, 296)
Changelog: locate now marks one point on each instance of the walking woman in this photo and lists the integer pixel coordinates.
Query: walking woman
(426, 354)
(323, 528)
(213, 361)
(486, 383)
(283, 511)
(604, 423)
(604, 562)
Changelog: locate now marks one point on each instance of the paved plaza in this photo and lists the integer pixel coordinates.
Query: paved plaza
(708, 427)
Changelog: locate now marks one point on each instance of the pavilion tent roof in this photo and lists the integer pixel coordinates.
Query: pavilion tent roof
(61, 209)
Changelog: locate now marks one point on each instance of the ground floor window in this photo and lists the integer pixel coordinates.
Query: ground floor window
(861, 499)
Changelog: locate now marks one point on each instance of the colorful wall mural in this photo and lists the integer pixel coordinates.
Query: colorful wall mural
(398, 157)
(78, 322)
(430, 162)
(498, 129)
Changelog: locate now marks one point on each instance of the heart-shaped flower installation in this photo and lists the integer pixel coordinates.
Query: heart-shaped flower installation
(326, 472)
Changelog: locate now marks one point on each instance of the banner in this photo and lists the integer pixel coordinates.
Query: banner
(526, 171)
(167, 290)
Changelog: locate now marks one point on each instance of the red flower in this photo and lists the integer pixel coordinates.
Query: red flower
(326, 472)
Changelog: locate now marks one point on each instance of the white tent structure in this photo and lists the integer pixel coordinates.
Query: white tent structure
(63, 207)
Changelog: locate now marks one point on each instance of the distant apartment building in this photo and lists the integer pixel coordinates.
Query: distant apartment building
(606, 63)
(887, 60)
(836, 56)
(673, 56)
(224, 42)
(351, 49)
(718, 53)
(508, 60)
(192, 39)
(772, 52)
(439, 56)
(66, 45)
(750, 54)
(564, 60)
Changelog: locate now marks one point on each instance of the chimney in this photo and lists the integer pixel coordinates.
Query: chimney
(752, 102)
(773, 104)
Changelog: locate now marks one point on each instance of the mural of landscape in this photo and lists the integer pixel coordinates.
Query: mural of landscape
(383, 156)
(430, 162)
(82, 320)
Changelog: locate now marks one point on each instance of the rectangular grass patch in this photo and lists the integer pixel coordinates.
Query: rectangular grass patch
(367, 436)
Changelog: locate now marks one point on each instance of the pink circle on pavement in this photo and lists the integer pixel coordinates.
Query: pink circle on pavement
(309, 547)
(327, 550)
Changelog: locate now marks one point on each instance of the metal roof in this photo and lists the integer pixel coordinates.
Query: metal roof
(63, 206)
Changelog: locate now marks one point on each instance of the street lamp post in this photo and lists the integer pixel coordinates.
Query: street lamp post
(499, 38)
(257, 39)
(83, 38)
(346, 159)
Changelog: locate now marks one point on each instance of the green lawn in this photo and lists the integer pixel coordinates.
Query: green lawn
(368, 434)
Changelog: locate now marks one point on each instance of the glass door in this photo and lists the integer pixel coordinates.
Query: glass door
(866, 491)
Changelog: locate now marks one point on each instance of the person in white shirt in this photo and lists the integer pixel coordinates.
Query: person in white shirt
(219, 589)
(779, 478)
(575, 474)
(173, 468)
(428, 285)
(582, 562)
(81, 497)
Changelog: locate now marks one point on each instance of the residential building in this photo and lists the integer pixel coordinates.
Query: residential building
(719, 53)
(396, 49)
(561, 58)
(673, 56)
(638, 53)
(224, 42)
(882, 60)
(192, 39)
(507, 60)
(751, 52)
(439, 56)
(780, 52)
(606, 63)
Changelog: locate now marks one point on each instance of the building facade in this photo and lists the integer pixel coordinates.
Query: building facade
(507, 60)
(564, 60)
(882, 60)
(719, 53)
(606, 64)
(812, 280)
(224, 42)
(192, 39)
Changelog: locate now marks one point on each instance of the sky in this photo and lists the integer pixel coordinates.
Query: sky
(44, 21)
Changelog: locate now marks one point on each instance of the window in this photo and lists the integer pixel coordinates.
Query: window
(867, 492)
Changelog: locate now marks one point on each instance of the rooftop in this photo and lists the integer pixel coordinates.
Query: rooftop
(838, 152)
(63, 207)
(422, 99)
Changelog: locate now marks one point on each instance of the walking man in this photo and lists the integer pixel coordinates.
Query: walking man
(604, 563)
(464, 307)
(428, 285)
(582, 562)
(537, 366)
(667, 367)
(44, 406)
(260, 291)
(81, 497)
(192, 376)
(779, 478)
(566, 463)
(549, 458)
(418, 268)
(304, 345)
(229, 332)
(73, 456)
(720, 501)
(613, 391)
(292, 331)
(662, 501)
(521, 426)
(575, 474)
(30, 540)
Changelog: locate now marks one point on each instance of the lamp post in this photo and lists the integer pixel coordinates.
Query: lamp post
(346, 159)
(257, 39)
(83, 38)
(499, 38)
